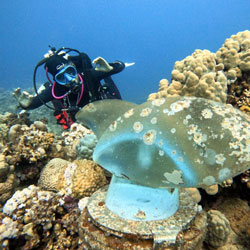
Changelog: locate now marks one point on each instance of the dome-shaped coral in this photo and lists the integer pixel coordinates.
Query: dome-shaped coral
(81, 178)
(78, 179)
(50, 173)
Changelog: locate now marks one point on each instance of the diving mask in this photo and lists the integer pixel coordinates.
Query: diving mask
(66, 75)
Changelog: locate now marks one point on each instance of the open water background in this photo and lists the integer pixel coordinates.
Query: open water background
(152, 33)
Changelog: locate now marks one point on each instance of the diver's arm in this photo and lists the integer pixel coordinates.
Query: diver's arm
(29, 102)
(116, 67)
(36, 102)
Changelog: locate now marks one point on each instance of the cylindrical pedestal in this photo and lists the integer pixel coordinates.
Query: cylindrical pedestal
(135, 202)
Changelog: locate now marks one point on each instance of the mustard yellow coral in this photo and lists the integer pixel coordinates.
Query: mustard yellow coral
(196, 75)
(235, 52)
(81, 178)
(208, 75)
(78, 179)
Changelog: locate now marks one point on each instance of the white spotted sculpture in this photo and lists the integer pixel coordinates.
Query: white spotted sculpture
(159, 146)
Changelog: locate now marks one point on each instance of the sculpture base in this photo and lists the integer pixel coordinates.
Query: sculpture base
(100, 227)
(135, 202)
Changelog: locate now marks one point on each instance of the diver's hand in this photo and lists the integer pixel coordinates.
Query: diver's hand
(102, 65)
(23, 98)
(129, 64)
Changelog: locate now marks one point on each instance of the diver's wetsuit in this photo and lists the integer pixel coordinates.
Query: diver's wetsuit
(92, 86)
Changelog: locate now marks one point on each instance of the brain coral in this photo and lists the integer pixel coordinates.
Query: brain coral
(50, 173)
(78, 179)
(211, 75)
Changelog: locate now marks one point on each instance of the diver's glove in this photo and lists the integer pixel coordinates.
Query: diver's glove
(102, 65)
(129, 64)
(24, 98)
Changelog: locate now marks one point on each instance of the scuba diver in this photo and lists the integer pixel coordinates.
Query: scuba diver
(75, 83)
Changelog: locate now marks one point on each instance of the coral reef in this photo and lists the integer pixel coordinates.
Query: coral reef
(72, 138)
(33, 218)
(223, 76)
(77, 180)
(27, 144)
(36, 219)
(196, 75)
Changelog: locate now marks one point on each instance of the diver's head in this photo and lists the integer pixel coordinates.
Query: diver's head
(67, 75)
(64, 71)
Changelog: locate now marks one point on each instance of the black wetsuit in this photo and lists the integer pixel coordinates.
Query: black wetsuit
(92, 86)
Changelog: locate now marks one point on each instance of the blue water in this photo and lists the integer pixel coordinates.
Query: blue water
(152, 33)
